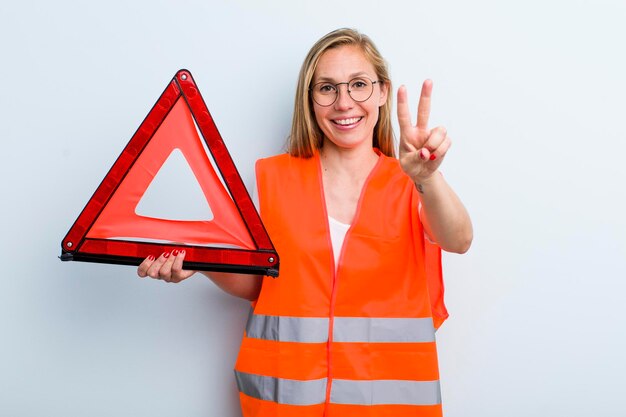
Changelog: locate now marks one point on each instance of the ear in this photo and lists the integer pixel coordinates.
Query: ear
(384, 90)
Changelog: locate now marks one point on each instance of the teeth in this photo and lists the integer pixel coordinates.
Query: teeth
(345, 122)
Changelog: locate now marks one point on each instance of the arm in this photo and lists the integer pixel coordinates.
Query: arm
(443, 215)
(240, 285)
(169, 268)
(422, 151)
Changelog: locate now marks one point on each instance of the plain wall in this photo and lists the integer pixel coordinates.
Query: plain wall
(532, 93)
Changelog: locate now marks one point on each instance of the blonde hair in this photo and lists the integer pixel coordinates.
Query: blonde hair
(306, 136)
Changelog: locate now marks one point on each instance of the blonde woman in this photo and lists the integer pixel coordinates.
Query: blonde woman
(348, 329)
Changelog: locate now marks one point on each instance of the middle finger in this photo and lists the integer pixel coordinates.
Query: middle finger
(166, 270)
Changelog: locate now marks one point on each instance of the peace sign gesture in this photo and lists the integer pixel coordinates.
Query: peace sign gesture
(421, 149)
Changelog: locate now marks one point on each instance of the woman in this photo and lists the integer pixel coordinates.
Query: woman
(348, 327)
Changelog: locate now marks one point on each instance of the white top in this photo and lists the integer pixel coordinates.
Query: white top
(338, 232)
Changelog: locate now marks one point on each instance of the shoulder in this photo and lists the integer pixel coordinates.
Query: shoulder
(390, 169)
(389, 162)
(274, 159)
(282, 163)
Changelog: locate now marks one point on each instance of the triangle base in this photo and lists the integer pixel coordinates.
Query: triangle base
(197, 258)
(193, 266)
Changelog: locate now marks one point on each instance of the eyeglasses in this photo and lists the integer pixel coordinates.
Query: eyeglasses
(359, 89)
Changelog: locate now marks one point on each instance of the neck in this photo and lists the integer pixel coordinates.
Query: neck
(354, 162)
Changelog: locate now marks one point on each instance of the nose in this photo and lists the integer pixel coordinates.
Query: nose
(344, 101)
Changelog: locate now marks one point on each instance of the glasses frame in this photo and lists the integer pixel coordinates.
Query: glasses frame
(347, 83)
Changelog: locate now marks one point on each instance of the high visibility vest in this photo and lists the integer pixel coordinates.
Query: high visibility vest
(356, 342)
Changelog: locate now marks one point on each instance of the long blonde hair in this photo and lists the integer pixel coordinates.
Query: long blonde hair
(306, 136)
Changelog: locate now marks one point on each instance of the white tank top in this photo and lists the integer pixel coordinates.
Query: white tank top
(338, 232)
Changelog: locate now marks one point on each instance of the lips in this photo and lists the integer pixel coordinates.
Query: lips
(347, 121)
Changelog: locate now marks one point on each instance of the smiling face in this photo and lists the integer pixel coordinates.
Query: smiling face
(346, 123)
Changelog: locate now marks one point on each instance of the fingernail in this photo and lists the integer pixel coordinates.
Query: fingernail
(166, 255)
(433, 157)
(175, 252)
(151, 258)
(422, 155)
(183, 252)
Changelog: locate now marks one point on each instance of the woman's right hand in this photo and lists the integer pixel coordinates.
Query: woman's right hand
(167, 267)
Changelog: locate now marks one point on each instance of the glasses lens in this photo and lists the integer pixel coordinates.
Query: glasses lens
(361, 89)
(324, 93)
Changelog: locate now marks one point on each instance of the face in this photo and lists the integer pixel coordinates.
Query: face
(347, 123)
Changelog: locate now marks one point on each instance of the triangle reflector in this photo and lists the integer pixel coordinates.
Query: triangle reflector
(221, 232)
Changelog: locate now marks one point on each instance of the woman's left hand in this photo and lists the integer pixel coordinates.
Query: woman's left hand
(421, 149)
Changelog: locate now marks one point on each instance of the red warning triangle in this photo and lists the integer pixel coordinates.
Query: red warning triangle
(228, 237)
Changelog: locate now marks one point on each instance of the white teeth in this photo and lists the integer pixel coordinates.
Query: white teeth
(345, 122)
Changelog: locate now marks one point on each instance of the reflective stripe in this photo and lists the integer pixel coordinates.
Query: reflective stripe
(345, 329)
(381, 330)
(343, 391)
(288, 329)
(387, 392)
(282, 391)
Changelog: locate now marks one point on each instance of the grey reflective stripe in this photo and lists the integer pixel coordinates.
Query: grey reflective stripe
(379, 392)
(282, 391)
(345, 329)
(288, 329)
(343, 391)
(381, 330)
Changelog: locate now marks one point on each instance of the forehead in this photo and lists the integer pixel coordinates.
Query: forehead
(343, 63)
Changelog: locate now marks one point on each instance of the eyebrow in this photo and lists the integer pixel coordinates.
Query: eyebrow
(351, 76)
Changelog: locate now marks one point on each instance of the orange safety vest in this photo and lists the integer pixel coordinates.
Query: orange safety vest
(358, 342)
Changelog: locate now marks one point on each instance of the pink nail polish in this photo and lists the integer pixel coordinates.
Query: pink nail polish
(433, 157)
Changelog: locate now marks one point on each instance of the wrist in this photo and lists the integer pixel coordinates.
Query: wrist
(424, 182)
(428, 179)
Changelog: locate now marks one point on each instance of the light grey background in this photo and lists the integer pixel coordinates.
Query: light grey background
(533, 95)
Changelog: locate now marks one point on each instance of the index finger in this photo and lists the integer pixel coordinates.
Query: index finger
(423, 108)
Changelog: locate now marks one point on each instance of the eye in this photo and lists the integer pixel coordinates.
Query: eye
(325, 88)
(359, 84)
